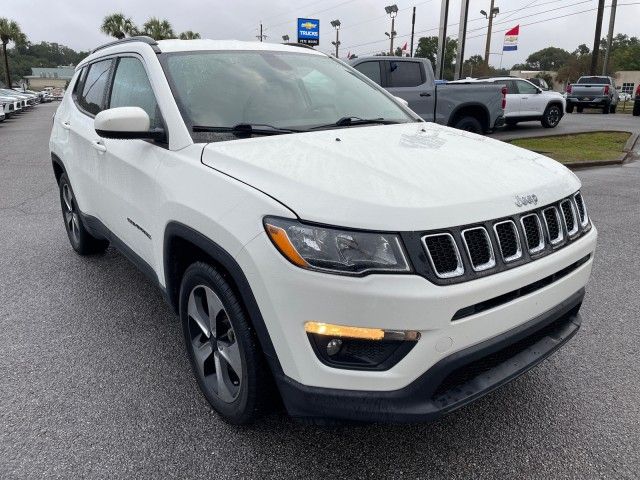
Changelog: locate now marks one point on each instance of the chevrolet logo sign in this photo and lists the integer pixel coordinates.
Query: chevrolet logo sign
(308, 25)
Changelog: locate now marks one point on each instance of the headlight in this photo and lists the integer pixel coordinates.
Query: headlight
(346, 252)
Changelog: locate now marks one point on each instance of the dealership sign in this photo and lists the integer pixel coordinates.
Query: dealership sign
(309, 31)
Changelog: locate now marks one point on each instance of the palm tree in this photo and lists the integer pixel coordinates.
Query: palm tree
(9, 32)
(119, 26)
(158, 29)
(189, 35)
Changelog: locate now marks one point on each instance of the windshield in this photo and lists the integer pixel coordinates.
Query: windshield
(285, 90)
(594, 80)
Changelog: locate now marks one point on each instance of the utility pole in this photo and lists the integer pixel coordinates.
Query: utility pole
(612, 21)
(493, 12)
(462, 39)
(413, 28)
(262, 36)
(596, 40)
(336, 24)
(392, 11)
(442, 38)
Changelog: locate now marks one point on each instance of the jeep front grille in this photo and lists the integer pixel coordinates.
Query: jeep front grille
(459, 254)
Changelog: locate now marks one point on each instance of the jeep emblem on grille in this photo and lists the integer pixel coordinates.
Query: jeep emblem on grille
(523, 200)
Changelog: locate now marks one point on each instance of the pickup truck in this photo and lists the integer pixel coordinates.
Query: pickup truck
(474, 108)
(592, 92)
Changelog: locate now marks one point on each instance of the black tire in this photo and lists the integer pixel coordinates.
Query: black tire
(511, 123)
(636, 108)
(81, 240)
(239, 393)
(469, 124)
(580, 109)
(606, 108)
(569, 108)
(613, 108)
(551, 116)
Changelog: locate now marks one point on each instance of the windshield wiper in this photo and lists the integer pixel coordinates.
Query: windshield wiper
(246, 129)
(352, 120)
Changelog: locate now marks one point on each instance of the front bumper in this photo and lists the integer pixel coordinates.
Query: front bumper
(451, 383)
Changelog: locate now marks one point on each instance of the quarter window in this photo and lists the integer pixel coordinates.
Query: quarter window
(94, 86)
(371, 70)
(405, 74)
(131, 88)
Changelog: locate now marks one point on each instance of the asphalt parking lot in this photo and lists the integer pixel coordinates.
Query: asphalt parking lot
(94, 381)
(589, 121)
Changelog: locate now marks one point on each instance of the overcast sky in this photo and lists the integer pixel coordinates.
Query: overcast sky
(76, 23)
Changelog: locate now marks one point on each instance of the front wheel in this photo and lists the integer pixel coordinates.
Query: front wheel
(81, 240)
(469, 124)
(551, 116)
(222, 346)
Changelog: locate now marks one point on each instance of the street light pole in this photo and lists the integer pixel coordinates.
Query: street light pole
(413, 28)
(392, 10)
(336, 24)
(493, 12)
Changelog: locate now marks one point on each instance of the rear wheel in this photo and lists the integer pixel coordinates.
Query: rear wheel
(551, 116)
(613, 108)
(580, 109)
(569, 108)
(606, 108)
(81, 240)
(469, 124)
(636, 108)
(222, 346)
(511, 123)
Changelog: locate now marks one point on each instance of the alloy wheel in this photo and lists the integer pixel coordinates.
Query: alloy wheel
(216, 353)
(70, 213)
(553, 116)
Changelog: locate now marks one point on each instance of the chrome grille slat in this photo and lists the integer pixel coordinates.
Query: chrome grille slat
(479, 248)
(507, 233)
(532, 232)
(569, 217)
(436, 246)
(582, 209)
(553, 225)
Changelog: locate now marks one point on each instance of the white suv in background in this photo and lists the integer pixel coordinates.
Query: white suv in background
(527, 102)
(312, 232)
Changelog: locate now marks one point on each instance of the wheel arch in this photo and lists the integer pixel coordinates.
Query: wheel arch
(183, 246)
(58, 167)
(473, 109)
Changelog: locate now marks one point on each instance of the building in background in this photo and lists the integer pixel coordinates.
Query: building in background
(57, 77)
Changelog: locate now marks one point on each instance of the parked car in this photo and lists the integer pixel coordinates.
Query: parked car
(2, 115)
(526, 102)
(592, 92)
(474, 108)
(23, 100)
(636, 102)
(313, 232)
(9, 105)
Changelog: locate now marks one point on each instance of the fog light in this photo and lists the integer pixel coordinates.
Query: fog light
(359, 348)
(333, 347)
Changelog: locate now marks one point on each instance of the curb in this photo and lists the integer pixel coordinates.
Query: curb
(628, 149)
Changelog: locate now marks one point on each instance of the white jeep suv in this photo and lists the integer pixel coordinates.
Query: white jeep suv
(315, 234)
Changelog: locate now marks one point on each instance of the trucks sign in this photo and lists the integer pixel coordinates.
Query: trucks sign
(309, 31)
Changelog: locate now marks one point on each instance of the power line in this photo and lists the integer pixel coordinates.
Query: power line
(315, 13)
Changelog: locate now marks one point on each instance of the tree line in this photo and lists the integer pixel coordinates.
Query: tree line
(120, 26)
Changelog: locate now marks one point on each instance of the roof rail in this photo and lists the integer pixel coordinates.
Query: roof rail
(141, 38)
(302, 45)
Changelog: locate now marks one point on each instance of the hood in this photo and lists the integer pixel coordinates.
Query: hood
(415, 176)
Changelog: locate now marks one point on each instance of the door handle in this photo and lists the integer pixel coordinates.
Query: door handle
(66, 125)
(425, 94)
(98, 145)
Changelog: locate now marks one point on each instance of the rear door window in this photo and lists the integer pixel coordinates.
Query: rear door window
(371, 70)
(405, 74)
(92, 99)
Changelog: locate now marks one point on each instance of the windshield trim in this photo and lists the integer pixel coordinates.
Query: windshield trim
(164, 58)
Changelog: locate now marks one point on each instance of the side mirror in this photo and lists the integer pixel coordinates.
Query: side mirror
(124, 123)
(402, 101)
